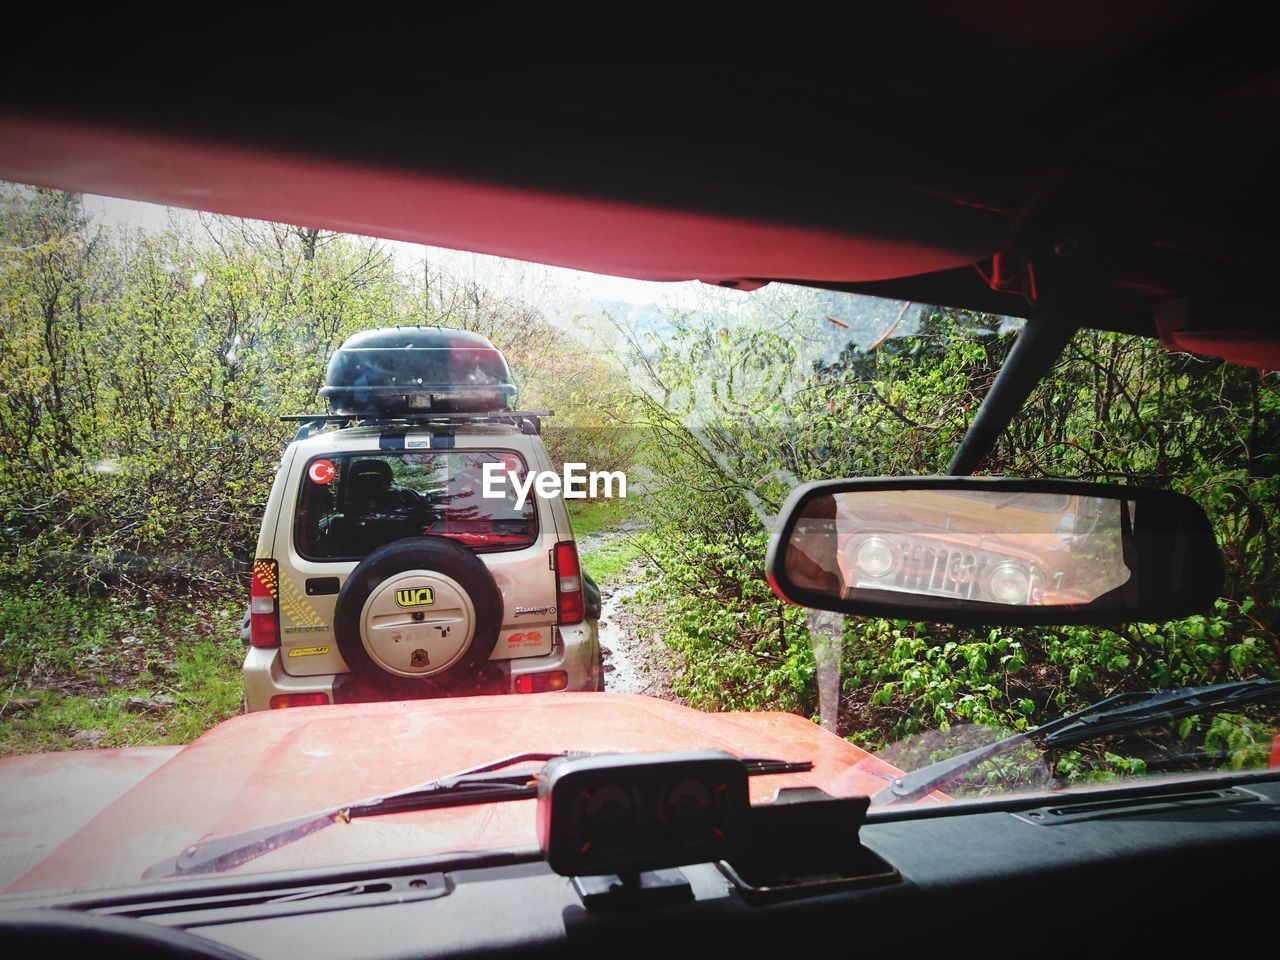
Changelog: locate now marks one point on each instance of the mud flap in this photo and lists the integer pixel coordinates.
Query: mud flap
(591, 596)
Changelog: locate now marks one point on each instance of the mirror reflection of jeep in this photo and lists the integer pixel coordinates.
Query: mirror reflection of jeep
(384, 572)
(946, 547)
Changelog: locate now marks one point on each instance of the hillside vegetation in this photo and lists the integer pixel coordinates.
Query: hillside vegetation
(143, 375)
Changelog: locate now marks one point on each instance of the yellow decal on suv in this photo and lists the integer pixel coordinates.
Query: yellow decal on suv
(415, 598)
(309, 651)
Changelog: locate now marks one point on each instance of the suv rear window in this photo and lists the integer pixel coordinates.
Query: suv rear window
(351, 504)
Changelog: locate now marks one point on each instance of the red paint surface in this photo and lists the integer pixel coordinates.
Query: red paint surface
(1250, 349)
(47, 797)
(585, 233)
(264, 767)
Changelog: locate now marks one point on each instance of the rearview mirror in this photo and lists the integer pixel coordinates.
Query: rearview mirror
(976, 550)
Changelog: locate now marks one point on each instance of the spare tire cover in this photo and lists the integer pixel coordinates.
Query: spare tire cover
(419, 617)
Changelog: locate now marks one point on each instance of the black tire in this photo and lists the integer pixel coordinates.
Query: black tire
(473, 673)
(591, 595)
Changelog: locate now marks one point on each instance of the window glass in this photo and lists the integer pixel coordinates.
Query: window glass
(353, 504)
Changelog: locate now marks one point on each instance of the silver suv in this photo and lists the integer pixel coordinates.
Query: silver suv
(383, 571)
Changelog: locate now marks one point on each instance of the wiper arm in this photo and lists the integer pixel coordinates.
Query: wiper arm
(475, 785)
(1122, 713)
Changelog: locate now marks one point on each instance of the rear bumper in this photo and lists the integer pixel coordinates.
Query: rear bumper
(576, 652)
(264, 678)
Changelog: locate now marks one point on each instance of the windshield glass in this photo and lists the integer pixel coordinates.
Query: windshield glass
(176, 554)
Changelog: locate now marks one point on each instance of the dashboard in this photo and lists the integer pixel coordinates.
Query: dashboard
(1162, 864)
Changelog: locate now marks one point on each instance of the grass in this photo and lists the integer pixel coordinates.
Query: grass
(611, 559)
(590, 517)
(71, 662)
(608, 561)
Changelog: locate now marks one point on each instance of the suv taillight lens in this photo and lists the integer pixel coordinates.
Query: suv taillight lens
(570, 605)
(264, 616)
(542, 682)
(282, 701)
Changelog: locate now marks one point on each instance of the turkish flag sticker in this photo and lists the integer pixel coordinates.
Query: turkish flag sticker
(321, 471)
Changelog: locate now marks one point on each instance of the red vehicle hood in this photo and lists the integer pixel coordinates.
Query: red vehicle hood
(91, 819)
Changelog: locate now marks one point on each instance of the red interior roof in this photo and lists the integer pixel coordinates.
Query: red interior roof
(884, 150)
(644, 241)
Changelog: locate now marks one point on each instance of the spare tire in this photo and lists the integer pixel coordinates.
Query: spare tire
(419, 618)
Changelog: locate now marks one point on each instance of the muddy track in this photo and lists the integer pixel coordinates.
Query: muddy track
(632, 663)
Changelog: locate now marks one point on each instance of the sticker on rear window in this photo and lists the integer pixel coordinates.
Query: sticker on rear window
(321, 471)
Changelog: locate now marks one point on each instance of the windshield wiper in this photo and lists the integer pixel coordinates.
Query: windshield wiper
(482, 784)
(1119, 714)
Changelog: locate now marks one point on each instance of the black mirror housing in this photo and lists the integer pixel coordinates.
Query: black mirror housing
(994, 551)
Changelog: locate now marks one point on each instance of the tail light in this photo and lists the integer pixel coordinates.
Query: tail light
(570, 604)
(541, 682)
(282, 701)
(264, 615)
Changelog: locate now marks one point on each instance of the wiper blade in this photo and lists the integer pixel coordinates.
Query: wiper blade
(1122, 713)
(480, 784)
(475, 785)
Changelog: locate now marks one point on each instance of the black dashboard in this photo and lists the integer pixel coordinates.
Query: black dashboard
(1160, 865)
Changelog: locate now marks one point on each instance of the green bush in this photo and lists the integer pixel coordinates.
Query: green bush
(145, 373)
(742, 648)
(1116, 409)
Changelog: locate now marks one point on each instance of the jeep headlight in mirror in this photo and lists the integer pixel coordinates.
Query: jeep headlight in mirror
(993, 551)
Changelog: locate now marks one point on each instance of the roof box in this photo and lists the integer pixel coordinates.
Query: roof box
(405, 370)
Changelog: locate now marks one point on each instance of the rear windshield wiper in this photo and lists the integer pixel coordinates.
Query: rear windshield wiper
(1119, 714)
(483, 784)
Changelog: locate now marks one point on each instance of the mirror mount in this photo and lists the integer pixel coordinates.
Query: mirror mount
(1066, 249)
(1038, 347)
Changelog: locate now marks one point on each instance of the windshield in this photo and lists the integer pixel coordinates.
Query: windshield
(176, 555)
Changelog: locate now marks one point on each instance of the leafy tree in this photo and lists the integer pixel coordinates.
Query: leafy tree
(736, 413)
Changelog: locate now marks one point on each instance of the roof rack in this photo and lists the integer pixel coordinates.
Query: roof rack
(528, 421)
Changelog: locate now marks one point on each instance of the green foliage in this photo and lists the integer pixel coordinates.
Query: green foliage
(590, 517)
(1243, 742)
(206, 691)
(731, 432)
(144, 375)
(135, 670)
(141, 376)
(900, 677)
(742, 647)
(609, 562)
